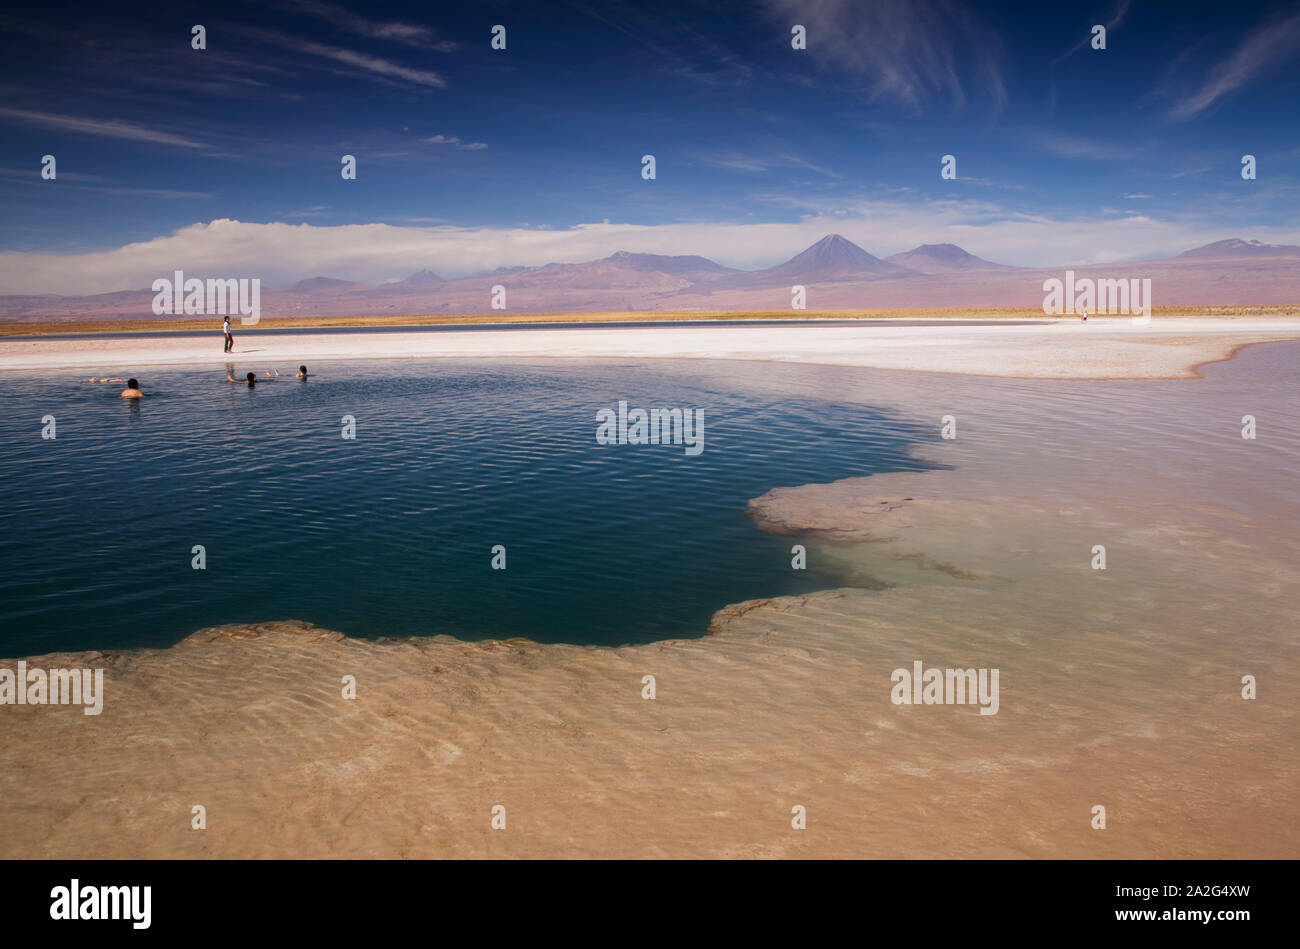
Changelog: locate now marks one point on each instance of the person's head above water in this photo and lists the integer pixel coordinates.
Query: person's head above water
(133, 383)
(302, 372)
(252, 378)
(132, 390)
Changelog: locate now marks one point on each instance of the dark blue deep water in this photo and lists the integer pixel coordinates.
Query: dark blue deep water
(391, 534)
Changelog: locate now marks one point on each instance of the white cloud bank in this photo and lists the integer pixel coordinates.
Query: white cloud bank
(281, 253)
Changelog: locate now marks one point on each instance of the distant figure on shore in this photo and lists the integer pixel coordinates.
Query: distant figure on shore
(132, 390)
(302, 373)
(230, 339)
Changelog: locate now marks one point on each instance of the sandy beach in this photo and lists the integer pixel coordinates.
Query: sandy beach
(1115, 348)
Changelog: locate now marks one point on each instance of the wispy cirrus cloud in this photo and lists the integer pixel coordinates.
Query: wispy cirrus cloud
(681, 51)
(737, 162)
(762, 162)
(990, 183)
(456, 142)
(316, 210)
(34, 174)
(1262, 48)
(913, 52)
(408, 34)
(1116, 18)
(106, 128)
(166, 193)
(1084, 149)
(375, 66)
(74, 181)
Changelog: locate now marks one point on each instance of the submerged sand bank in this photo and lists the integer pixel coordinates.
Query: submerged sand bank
(1165, 348)
(786, 704)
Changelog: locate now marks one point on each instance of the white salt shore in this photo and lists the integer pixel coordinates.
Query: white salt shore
(1113, 348)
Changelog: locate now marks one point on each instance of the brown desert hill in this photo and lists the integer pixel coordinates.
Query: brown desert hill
(942, 258)
(621, 278)
(669, 264)
(324, 285)
(1235, 247)
(623, 266)
(120, 304)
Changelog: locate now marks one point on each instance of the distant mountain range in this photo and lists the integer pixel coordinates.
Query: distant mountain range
(323, 284)
(941, 258)
(422, 278)
(836, 273)
(646, 263)
(1236, 247)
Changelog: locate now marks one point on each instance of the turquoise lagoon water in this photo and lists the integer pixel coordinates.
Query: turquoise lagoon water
(391, 534)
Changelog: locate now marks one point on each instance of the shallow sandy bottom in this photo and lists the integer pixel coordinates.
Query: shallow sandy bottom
(1164, 348)
(786, 704)
(1119, 688)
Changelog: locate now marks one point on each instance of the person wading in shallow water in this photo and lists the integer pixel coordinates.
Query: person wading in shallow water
(132, 390)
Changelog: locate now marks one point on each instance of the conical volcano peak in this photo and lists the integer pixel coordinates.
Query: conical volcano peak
(833, 255)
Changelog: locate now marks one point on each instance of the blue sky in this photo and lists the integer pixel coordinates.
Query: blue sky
(471, 158)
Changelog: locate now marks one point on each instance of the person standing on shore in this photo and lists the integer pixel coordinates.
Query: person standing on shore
(230, 340)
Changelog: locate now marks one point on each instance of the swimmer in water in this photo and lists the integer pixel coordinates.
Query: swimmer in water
(132, 390)
(251, 378)
(302, 373)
